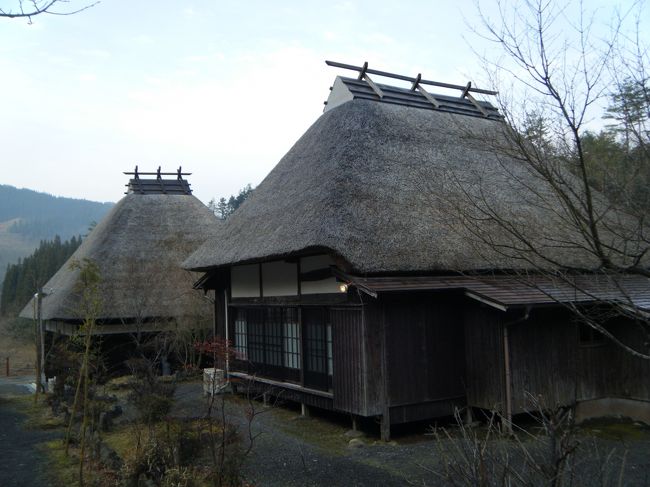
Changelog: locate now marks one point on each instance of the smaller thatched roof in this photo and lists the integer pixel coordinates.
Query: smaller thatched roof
(138, 248)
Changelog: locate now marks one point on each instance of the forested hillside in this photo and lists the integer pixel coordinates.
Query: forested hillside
(27, 217)
(40, 215)
(25, 277)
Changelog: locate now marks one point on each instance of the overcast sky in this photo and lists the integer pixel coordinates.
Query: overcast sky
(223, 88)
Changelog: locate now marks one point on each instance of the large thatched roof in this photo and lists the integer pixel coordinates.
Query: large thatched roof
(386, 186)
(138, 248)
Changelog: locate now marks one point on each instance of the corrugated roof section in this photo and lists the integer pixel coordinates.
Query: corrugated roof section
(511, 291)
(361, 89)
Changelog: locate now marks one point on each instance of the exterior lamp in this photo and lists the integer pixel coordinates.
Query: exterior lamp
(343, 287)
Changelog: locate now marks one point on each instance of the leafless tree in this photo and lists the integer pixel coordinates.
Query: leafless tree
(553, 454)
(30, 8)
(561, 75)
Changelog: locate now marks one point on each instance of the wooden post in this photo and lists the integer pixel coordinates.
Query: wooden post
(469, 417)
(40, 345)
(265, 398)
(506, 366)
(385, 395)
(304, 410)
(508, 379)
(355, 426)
(385, 425)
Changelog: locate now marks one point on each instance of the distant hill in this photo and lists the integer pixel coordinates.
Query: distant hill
(27, 217)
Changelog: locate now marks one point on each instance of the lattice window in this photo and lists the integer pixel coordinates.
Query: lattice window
(276, 344)
(291, 338)
(317, 348)
(256, 337)
(273, 336)
(330, 364)
(241, 335)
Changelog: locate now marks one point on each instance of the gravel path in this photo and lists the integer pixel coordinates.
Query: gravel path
(295, 451)
(291, 450)
(21, 463)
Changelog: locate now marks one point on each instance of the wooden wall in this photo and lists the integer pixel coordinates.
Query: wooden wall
(424, 348)
(349, 369)
(484, 357)
(543, 359)
(609, 371)
(548, 361)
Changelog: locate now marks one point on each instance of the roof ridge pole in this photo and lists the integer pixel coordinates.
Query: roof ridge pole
(408, 78)
(416, 86)
(363, 75)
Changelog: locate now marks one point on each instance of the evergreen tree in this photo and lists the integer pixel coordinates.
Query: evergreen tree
(224, 208)
(23, 278)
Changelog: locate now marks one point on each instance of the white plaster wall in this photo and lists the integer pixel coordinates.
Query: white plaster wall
(245, 281)
(324, 286)
(280, 279)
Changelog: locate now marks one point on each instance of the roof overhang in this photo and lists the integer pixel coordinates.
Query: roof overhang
(504, 292)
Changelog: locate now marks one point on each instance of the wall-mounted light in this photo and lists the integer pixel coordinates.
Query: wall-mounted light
(343, 287)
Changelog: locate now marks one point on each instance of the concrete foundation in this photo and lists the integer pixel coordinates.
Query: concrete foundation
(613, 407)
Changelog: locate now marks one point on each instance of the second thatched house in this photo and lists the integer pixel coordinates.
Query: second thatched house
(353, 279)
(137, 250)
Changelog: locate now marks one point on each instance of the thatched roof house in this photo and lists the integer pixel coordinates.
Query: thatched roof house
(354, 277)
(138, 248)
(375, 182)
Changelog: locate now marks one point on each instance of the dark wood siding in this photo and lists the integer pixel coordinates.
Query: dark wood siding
(484, 357)
(373, 327)
(607, 370)
(348, 354)
(547, 361)
(543, 359)
(424, 345)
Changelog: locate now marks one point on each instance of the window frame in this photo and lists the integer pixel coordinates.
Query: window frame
(272, 342)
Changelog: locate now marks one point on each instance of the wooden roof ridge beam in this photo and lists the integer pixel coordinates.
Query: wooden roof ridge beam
(158, 173)
(417, 86)
(386, 74)
(363, 75)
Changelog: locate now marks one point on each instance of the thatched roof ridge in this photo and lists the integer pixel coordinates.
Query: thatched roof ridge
(138, 247)
(368, 181)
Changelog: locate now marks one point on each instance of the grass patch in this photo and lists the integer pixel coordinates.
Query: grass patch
(121, 440)
(39, 415)
(65, 468)
(321, 433)
(616, 429)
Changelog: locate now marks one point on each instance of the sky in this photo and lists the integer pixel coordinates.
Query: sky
(221, 88)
